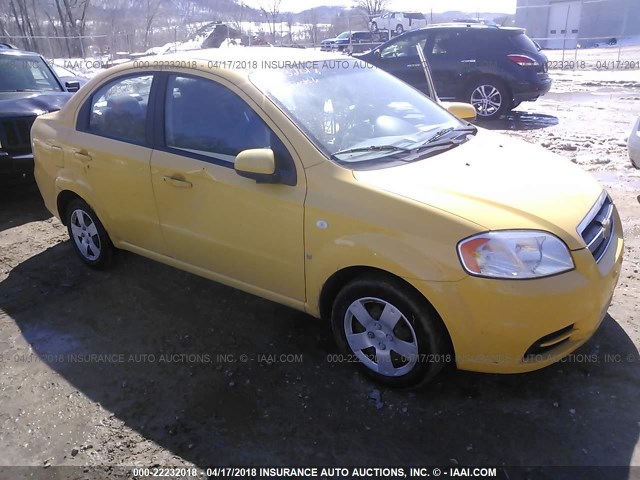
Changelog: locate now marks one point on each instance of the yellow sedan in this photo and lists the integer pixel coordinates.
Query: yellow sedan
(325, 184)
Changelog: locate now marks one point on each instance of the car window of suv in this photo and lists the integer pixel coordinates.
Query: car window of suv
(206, 118)
(403, 47)
(119, 109)
(449, 43)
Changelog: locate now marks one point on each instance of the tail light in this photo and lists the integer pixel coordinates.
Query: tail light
(523, 60)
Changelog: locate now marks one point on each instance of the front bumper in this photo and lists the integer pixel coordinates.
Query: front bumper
(501, 326)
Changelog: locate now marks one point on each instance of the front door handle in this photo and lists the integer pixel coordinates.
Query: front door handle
(83, 156)
(470, 60)
(177, 182)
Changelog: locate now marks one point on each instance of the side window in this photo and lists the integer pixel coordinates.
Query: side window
(448, 43)
(206, 118)
(119, 109)
(404, 47)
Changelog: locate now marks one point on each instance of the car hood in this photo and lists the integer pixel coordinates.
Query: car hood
(22, 104)
(498, 183)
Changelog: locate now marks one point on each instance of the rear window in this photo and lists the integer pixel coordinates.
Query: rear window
(520, 40)
(415, 16)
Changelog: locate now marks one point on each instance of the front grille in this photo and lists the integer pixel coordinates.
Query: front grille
(597, 228)
(15, 133)
(549, 342)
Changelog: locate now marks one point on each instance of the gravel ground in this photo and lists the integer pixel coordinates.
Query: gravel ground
(190, 372)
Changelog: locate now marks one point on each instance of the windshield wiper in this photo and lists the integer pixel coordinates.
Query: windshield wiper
(372, 148)
(441, 133)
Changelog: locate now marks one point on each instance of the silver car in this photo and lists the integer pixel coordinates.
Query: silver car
(634, 145)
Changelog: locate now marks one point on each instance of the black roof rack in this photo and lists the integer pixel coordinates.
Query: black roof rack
(8, 45)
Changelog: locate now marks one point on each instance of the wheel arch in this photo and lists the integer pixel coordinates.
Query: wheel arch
(338, 280)
(65, 197)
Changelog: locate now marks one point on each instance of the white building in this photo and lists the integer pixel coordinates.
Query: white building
(565, 24)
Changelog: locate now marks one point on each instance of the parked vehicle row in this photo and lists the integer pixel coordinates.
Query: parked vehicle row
(344, 193)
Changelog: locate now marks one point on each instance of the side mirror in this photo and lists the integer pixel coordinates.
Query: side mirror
(465, 111)
(258, 164)
(72, 86)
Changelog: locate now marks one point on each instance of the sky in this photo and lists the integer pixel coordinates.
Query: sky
(424, 6)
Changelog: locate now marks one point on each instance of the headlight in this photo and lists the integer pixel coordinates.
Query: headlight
(515, 254)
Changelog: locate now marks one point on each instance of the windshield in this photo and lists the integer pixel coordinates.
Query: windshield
(358, 115)
(343, 35)
(26, 74)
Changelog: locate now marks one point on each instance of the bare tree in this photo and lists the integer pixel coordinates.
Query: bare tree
(238, 16)
(371, 8)
(151, 9)
(271, 10)
(311, 25)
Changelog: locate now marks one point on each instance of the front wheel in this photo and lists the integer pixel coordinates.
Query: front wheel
(490, 98)
(394, 333)
(90, 239)
(399, 29)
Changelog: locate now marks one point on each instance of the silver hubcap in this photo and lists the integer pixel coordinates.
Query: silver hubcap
(85, 234)
(381, 337)
(486, 99)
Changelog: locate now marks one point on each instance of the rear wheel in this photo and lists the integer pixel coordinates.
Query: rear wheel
(90, 239)
(489, 97)
(392, 332)
(374, 27)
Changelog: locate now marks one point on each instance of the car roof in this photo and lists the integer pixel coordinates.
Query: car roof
(465, 26)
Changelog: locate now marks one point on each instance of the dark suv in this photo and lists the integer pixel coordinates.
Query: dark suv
(28, 88)
(493, 68)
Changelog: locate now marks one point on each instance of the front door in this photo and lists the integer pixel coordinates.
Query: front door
(247, 233)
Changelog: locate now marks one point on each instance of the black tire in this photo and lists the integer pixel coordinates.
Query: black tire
(92, 245)
(399, 29)
(489, 88)
(514, 105)
(418, 325)
(374, 27)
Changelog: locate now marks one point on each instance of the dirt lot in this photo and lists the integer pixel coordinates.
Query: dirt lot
(223, 394)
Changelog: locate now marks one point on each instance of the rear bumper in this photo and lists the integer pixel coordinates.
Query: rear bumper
(528, 91)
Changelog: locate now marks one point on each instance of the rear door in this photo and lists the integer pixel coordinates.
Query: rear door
(450, 53)
(111, 150)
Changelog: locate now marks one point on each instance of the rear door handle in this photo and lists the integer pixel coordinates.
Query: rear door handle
(177, 182)
(470, 60)
(84, 157)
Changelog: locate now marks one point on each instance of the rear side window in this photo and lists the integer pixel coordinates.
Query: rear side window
(119, 109)
(449, 43)
(522, 42)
